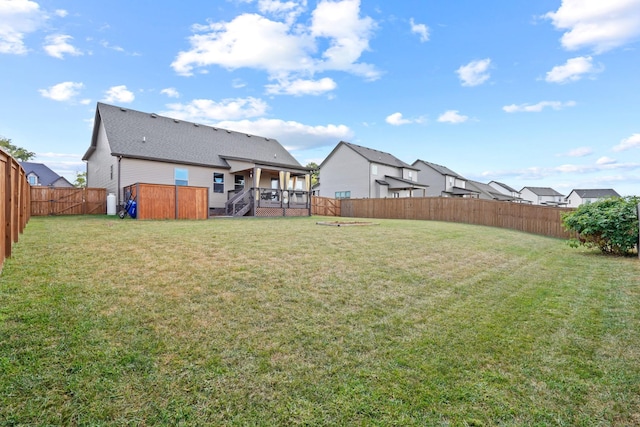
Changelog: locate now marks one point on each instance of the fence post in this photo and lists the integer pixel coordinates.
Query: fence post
(638, 244)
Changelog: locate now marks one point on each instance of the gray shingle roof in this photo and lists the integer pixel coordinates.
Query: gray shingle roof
(488, 190)
(442, 170)
(46, 177)
(542, 191)
(377, 156)
(147, 136)
(596, 193)
(506, 187)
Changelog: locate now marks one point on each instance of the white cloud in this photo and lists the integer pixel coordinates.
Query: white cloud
(207, 111)
(108, 45)
(171, 92)
(452, 116)
(580, 152)
(17, 19)
(64, 91)
(536, 108)
(288, 10)
(302, 87)
(420, 29)
(599, 24)
(61, 13)
(119, 94)
(396, 119)
(287, 50)
(293, 135)
(572, 70)
(474, 73)
(605, 161)
(57, 45)
(348, 37)
(626, 144)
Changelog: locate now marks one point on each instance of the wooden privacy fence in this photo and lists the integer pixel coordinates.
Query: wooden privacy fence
(68, 201)
(156, 201)
(325, 206)
(14, 194)
(542, 220)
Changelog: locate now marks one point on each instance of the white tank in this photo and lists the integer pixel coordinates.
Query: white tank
(111, 204)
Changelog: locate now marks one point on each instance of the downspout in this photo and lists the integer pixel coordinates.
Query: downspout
(119, 189)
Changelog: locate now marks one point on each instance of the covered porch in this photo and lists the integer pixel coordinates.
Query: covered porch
(268, 190)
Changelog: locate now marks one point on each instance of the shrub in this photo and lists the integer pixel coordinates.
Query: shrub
(610, 225)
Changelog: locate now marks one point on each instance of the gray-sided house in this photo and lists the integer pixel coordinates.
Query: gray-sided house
(508, 191)
(39, 174)
(353, 171)
(442, 181)
(487, 192)
(246, 174)
(582, 197)
(544, 196)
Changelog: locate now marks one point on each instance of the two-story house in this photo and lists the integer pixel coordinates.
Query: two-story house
(353, 171)
(544, 196)
(582, 197)
(442, 181)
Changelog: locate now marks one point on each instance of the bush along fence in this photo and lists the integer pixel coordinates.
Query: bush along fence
(15, 196)
(542, 220)
(68, 201)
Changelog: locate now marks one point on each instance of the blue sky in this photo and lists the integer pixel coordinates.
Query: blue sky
(529, 93)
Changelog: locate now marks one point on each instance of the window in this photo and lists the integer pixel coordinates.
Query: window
(181, 176)
(218, 182)
(33, 180)
(111, 172)
(374, 169)
(238, 183)
(410, 174)
(343, 194)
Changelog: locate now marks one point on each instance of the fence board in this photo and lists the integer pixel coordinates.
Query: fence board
(157, 201)
(533, 219)
(325, 206)
(15, 197)
(67, 201)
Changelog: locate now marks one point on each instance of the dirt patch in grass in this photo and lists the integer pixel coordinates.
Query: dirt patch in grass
(345, 223)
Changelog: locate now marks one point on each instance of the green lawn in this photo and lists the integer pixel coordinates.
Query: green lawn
(284, 322)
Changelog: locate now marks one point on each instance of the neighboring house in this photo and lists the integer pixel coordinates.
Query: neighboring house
(39, 174)
(582, 197)
(545, 196)
(507, 190)
(487, 192)
(245, 174)
(442, 181)
(352, 171)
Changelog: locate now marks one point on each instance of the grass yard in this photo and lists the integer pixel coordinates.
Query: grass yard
(284, 322)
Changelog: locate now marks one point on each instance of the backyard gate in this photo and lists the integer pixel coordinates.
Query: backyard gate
(68, 201)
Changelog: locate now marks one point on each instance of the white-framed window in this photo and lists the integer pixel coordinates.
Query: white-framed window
(343, 194)
(181, 176)
(374, 169)
(33, 179)
(218, 182)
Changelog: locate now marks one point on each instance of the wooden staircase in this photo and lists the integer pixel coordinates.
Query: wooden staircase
(240, 205)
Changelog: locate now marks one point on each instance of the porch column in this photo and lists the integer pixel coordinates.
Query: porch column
(256, 184)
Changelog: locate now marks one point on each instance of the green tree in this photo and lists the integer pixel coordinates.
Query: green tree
(610, 225)
(18, 153)
(81, 179)
(315, 171)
